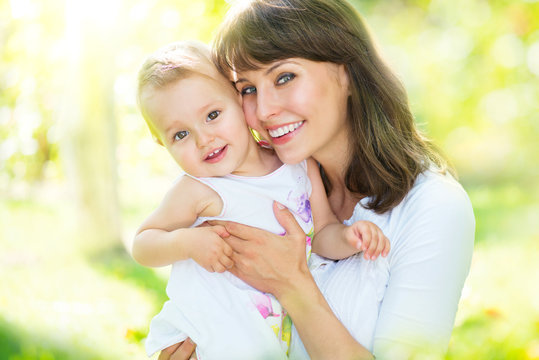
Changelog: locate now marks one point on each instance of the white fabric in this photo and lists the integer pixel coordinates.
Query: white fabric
(396, 305)
(216, 310)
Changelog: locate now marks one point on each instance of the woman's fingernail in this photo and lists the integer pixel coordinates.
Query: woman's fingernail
(279, 205)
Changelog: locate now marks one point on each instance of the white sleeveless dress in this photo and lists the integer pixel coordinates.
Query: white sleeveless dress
(224, 316)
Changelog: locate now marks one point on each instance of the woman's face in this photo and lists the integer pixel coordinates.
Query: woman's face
(298, 106)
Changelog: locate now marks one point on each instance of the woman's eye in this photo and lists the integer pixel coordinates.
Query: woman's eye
(284, 78)
(180, 135)
(213, 115)
(248, 90)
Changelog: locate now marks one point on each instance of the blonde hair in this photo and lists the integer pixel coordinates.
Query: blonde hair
(169, 64)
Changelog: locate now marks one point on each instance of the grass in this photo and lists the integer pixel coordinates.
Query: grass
(58, 302)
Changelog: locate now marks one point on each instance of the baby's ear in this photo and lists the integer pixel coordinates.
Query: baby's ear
(157, 140)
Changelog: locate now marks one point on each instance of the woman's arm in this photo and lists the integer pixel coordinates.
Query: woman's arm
(277, 264)
(429, 262)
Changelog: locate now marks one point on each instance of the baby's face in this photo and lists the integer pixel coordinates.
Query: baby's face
(200, 121)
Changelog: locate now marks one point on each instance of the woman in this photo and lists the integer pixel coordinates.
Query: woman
(313, 85)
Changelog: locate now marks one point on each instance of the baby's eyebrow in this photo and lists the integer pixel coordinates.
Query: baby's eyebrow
(239, 81)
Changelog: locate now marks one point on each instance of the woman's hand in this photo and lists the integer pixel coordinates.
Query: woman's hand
(180, 351)
(270, 263)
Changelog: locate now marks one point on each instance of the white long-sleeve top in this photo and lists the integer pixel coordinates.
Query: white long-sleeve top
(407, 301)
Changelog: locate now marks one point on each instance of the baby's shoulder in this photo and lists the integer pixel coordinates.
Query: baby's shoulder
(189, 189)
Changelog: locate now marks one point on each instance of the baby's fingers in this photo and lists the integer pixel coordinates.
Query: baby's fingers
(353, 237)
(387, 246)
(226, 262)
(370, 251)
(367, 241)
(381, 244)
(218, 268)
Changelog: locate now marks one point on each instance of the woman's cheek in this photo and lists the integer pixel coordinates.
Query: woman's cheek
(249, 110)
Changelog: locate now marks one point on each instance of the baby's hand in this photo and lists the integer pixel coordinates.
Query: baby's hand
(211, 251)
(367, 237)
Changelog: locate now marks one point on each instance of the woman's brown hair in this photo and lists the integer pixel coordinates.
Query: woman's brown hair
(388, 151)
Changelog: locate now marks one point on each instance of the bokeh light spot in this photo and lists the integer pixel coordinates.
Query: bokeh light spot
(533, 58)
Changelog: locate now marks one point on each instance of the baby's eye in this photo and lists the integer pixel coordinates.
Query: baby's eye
(248, 90)
(213, 115)
(284, 78)
(180, 135)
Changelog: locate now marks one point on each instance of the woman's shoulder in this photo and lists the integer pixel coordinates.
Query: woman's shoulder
(437, 206)
(436, 200)
(433, 188)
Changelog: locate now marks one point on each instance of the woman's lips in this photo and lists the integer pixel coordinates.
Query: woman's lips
(284, 133)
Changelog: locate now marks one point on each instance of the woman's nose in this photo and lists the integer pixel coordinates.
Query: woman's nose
(267, 104)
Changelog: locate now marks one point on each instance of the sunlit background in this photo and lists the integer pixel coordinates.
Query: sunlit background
(79, 170)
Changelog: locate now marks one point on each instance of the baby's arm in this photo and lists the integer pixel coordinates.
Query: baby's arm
(165, 237)
(334, 240)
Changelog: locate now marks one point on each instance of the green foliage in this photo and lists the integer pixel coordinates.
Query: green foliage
(471, 68)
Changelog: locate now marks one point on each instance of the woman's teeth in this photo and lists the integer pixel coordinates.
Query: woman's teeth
(284, 129)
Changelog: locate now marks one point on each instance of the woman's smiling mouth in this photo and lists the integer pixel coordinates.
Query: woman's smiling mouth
(285, 129)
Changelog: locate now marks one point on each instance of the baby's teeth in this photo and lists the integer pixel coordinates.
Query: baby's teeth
(215, 152)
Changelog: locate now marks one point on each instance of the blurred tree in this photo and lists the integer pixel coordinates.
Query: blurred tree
(89, 127)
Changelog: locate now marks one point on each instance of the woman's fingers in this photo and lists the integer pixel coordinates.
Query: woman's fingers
(236, 244)
(166, 353)
(186, 351)
(287, 220)
(245, 232)
(227, 250)
(221, 231)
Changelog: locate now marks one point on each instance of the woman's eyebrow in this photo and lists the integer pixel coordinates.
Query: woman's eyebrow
(278, 64)
(270, 69)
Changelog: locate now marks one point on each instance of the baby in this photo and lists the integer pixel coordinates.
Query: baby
(196, 114)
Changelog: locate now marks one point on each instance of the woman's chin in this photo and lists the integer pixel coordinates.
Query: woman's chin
(289, 157)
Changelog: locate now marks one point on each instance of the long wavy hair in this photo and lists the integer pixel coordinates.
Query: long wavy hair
(388, 151)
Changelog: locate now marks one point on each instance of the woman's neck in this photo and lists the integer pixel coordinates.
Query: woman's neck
(341, 200)
(334, 159)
